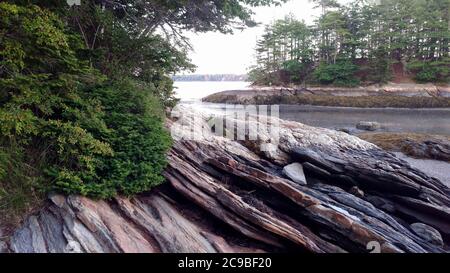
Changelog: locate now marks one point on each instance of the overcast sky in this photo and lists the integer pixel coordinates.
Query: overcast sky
(216, 53)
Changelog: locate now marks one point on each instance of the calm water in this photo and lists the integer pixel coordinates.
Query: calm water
(432, 121)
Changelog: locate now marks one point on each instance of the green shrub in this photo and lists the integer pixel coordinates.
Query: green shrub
(298, 71)
(430, 71)
(139, 142)
(62, 125)
(341, 73)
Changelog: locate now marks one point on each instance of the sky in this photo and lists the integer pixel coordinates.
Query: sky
(216, 53)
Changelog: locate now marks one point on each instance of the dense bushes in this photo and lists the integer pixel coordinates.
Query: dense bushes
(341, 73)
(138, 140)
(431, 71)
(297, 71)
(64, 126)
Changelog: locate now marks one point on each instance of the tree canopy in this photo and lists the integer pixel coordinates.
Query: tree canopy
(364, 41)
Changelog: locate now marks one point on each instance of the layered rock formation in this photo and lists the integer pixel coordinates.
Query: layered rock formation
(233, 196)
(391, 89)
(391, 95)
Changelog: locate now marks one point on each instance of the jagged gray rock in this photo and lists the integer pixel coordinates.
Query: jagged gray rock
(295, 172)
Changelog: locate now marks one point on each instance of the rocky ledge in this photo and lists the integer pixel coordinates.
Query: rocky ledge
(315, 190)
(394, 89)
(415, 145)
(374, 96)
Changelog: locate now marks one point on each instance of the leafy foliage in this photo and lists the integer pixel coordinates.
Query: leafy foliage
(196, 15)
(134, 131)
(39, 82)
(62, 126)
(118, 50)
(431, 71)
(340, 74)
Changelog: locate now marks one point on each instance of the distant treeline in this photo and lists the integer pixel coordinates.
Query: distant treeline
(208, 77)
(362, 42)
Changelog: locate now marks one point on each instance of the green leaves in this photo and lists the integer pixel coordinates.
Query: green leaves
(17, 124)
(340, 74)
(137, 138)
(78, 133)
(286, 48)
(431, 70)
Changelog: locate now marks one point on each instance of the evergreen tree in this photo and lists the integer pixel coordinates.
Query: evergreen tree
(365, 38)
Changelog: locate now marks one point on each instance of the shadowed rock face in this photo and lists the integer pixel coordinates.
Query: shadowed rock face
(225, 196)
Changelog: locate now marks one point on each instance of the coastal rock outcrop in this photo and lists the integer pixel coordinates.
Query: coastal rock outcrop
(390, 89)
(374, 96)
(223, 195)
